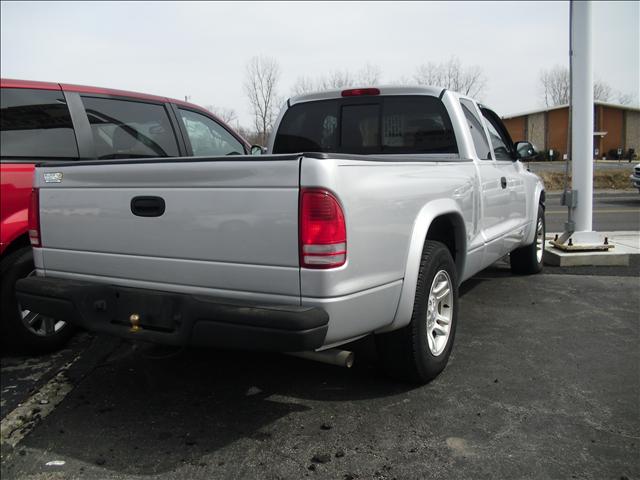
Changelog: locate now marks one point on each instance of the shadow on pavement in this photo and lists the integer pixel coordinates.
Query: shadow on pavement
(150, 414)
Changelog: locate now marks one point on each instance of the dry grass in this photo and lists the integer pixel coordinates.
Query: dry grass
(602, 180)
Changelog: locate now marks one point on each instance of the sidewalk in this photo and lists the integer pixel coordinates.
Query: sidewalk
(626, 244)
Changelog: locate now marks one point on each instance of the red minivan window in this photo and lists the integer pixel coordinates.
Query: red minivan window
(130, 129)
(36, 124)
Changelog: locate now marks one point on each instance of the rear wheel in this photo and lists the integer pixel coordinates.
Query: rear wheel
(419, 352)
(25, 331)
(528, 260)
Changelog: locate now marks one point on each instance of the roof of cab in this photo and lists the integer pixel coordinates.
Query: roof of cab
(384, 90)
(67, 87)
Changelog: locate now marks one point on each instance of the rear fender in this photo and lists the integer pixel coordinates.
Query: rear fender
(423, 221)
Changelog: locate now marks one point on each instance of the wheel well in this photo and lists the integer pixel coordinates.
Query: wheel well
(17, 244)
(449, 230)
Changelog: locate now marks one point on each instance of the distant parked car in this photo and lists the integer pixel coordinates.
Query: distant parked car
(635, 177)
(45, 122)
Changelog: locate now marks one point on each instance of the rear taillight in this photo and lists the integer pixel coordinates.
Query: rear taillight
(323, 234)
(358, 92)
(34, 218)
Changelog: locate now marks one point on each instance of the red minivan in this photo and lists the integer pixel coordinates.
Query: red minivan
(42, 122)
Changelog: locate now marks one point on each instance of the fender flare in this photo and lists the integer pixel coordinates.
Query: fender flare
(427, 214)
(539, 196)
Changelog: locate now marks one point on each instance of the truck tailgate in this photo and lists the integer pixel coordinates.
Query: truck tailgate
(229, 226)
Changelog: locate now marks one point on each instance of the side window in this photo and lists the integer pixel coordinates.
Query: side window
(130, 129)
(500, 148)
(36, 123)
(207, 137)
(477, 131)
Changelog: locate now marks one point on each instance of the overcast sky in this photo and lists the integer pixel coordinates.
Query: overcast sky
(201, 49)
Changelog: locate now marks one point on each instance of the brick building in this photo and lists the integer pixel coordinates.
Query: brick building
(615, 126)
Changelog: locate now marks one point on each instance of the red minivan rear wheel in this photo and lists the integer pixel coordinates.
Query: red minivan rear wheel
(25, 331)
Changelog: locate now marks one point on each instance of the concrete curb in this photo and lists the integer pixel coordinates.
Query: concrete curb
(626, 244)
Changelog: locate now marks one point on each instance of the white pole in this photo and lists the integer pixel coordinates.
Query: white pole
(582, 114)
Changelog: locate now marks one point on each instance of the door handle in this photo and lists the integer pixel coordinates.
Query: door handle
(147, 206)
(503, 182)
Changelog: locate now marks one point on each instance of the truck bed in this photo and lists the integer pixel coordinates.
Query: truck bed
(230, 227)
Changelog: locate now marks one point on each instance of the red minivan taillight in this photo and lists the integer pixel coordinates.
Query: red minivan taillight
(34, 218)
(323, 234)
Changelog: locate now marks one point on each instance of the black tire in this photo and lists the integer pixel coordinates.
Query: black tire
(16, 336)
(525, 260)
(405, 353)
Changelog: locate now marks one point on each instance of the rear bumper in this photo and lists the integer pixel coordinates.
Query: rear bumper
(174, 318)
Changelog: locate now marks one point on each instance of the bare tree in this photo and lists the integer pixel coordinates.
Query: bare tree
(556, 86)
(369, 75)
(227, 115)
(249, 134)
(303, 85)
(452, 75)
(336, 79)
(429, 74)
(626, 98)
(602, 91)
(261, 83)
(403, 80)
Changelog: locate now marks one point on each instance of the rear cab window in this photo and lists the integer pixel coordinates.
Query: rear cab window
(129, 128)
(36, 124)
(368, 125)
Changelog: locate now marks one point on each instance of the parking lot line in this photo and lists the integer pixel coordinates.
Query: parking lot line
(616, 210)
(24, 418)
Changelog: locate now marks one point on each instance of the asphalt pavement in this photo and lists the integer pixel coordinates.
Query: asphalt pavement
(612, 211)
(543, 382)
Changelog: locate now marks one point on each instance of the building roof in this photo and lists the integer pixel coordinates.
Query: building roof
(558, 107)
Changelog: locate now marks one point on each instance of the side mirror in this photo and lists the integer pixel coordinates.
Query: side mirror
(258, 150)
(524, 150)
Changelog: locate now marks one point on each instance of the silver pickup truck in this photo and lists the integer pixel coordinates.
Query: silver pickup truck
(370, 208)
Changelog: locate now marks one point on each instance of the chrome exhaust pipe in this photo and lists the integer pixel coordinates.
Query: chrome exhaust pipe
(332, 356)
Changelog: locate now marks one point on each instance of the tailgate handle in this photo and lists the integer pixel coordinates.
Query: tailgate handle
(147, 206)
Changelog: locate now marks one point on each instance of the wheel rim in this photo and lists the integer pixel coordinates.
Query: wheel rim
(37, 324)
(539, 240)
(439, 312)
